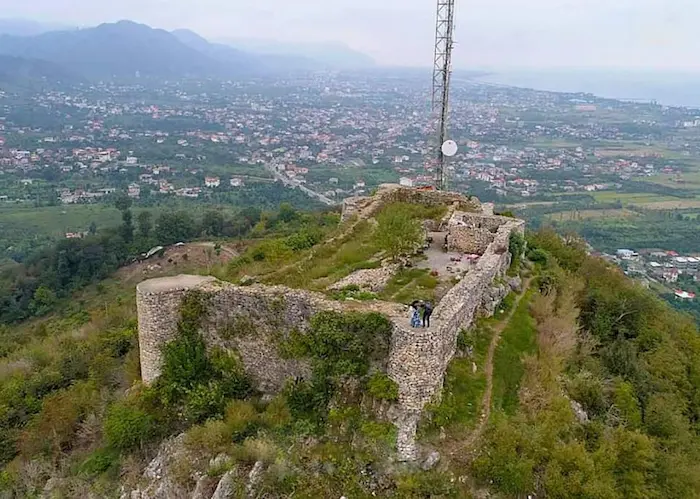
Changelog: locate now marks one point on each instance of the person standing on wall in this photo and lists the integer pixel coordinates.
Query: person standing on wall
(414, 314)
(427, 312)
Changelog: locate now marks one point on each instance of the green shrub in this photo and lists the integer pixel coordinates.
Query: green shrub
(127, 428)
(588, 390)
(384, 433)
(382, 387)
(99, 462)
(309, 400)
(426, 484)
(539, 256)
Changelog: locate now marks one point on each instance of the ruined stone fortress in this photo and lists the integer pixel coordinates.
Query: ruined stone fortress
(418, 358)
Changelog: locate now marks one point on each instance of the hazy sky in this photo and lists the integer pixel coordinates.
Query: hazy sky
(489, 34)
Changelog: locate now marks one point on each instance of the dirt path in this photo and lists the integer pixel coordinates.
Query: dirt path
(475, 436)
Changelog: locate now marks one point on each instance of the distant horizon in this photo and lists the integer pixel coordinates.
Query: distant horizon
(503, 34)
(330, 41)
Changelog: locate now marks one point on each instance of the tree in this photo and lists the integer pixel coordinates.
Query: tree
(175, 227)
(44, 300)
(213, 223)
(122, 202)
(127, 229)
(398, 233)
(145, 220)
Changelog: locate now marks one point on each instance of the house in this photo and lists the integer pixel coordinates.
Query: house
(237, 182)
(132, 160)
(134, 191)
(671, 275)
(406, 182)
(212, 181)
(627, 254)
(684, 295)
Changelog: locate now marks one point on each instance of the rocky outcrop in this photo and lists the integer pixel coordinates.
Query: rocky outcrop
(373, 280)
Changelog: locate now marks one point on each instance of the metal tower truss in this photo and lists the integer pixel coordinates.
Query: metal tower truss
(442, 70)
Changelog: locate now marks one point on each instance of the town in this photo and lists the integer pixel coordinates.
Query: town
(333, 136)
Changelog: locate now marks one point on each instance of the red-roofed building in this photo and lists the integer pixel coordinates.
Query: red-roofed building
(684, 295)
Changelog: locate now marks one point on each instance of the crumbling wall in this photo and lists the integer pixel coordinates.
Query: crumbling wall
(158, 307)
(419, 357)
(366, 207)
(249, 320)
(473, 233)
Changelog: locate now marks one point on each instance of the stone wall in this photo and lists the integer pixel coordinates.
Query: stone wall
(158, 307)
(366, 207)
(472, 233)
(419, 357)
(248, 320)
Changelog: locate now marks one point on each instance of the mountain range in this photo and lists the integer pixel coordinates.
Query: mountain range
(127, 49)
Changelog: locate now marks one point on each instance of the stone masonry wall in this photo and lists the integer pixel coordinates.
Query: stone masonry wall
(366, 207)
(472, 233)
(158, 308)
(419, 357)
(248, 320)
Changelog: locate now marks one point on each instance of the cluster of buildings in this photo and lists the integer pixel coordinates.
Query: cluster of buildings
(667, 267)
(329, 134)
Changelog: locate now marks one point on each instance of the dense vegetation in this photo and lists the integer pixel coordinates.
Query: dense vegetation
(632, 365)
(46, 278)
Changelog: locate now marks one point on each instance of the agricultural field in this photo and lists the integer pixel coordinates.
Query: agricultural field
(685, 181)
(630, 198)
(680, 204)
(567, 216)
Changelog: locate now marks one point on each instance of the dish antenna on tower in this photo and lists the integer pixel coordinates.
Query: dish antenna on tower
(449, 148)
(442, 70)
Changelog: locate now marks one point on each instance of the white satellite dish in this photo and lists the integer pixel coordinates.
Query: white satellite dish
(449, 148)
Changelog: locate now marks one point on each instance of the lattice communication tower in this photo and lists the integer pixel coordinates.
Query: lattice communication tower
(442, 70)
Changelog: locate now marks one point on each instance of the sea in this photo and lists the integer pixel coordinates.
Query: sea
(667, 88)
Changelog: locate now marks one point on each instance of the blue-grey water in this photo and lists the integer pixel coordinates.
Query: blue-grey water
(668, 88)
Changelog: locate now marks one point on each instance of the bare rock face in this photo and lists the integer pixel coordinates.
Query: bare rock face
(204, 488)
(431, 461)
(158, 476)
(516, 284)
(493, 298)
(579, 412)
(373, 280)
(227, 486)
(254, 478)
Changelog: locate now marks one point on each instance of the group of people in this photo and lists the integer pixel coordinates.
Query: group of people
(420, 312)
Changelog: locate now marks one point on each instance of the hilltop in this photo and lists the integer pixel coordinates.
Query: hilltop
(288, 367)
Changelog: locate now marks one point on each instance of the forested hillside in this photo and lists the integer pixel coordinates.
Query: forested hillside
(631, 363)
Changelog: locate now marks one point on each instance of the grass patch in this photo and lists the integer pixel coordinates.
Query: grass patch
(352, 292)
(569, 216)
(331, 261)
(410, 284)
(518, 338)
